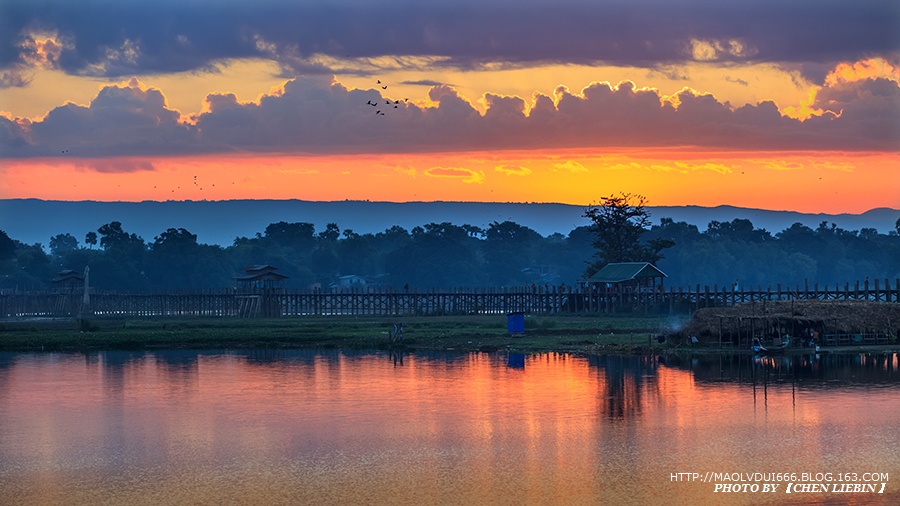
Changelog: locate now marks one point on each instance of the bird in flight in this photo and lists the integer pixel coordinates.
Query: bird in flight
(387, 102)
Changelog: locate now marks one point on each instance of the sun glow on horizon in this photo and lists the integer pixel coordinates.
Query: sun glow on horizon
(806, 182)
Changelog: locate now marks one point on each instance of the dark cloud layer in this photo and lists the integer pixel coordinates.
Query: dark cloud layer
(319, 115)
(116, 38)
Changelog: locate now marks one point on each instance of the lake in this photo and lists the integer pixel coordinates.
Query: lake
(331, 427)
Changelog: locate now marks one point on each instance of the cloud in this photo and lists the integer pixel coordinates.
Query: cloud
(122, 120)
(836, 166)
(790, 165)
(117, 39)
(318, 114)
(37, 50)
(299, 171)
(571, 166)
(463, 174)
(15, 78)
(717, 50)
(408, 171)
(513, 171)
(869, 68)
(868, 109)
(117, 165)
(680, 167)
(626, 166)
(712, 167)
(425, 82)
(14, 135)
(782, 165)
(670, 72)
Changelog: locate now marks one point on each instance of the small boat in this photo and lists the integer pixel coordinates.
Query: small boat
(758, 347)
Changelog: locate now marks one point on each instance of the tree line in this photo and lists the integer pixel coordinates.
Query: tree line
(442, 255)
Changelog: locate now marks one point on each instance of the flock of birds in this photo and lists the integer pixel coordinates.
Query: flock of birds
(388, 103)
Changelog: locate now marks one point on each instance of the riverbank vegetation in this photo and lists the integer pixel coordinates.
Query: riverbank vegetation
(463, 333)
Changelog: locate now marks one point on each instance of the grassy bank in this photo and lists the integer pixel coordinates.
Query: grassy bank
(463, 333)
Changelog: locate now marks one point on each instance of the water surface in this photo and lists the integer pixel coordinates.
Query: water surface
(305, 427)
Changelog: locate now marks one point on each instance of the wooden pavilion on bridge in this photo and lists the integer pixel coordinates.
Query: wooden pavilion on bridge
(258, 289)
(68, 286)
(260, 277)
(68, 282)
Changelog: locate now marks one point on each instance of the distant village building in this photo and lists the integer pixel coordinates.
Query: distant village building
(628, 276)
(350, 281)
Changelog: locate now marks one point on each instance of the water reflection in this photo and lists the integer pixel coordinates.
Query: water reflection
(332, 427)
(809, 370)
(627, 380)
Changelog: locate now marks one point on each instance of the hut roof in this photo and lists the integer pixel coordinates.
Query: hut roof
(67, 275)
(260, 273)
(625, 271)
(261, 276)
(257, 269)
(830, 316)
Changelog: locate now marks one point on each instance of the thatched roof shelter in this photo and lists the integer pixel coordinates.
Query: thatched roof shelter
(633, 275)
(797, 315)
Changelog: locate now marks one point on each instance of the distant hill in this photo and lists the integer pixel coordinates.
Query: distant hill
(220, 222)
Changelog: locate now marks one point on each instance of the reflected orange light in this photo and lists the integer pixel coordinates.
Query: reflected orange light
(330, 426)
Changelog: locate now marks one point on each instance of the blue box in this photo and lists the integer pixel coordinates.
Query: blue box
(516, 323)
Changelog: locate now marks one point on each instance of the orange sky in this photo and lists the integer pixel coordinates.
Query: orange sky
(806, 182)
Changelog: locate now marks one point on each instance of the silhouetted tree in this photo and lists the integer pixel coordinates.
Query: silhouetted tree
(299, 236)
(177, 261)
(439, 255)
(737, 230)
(34, 264)
(618, 224)
(331, 233)
(509, 249)
(122, 264)
(62, 243)
(7, 247)
(114, 239)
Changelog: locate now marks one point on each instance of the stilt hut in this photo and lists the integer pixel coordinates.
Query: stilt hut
(626, 283)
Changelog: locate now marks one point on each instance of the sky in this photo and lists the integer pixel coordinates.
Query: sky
(771, 104)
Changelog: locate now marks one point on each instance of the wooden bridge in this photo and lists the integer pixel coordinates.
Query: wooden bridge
(386, 302)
